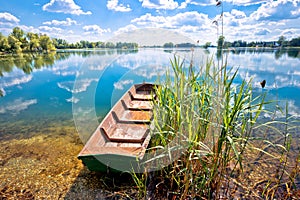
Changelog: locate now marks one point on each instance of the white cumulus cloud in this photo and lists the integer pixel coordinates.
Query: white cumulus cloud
(116, 6)
(95, 29)
(6, 17)
(175, 22)
(163, 4)
(67, 22)
(65, 6)
(125, 29)
(277, 10)
(238, 14)
(50, 29)
(246, 2)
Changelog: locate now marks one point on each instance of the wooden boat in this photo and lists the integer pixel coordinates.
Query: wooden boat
(121, 139)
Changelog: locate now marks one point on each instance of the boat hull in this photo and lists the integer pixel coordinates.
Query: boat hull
(110, 163)
(120, 141)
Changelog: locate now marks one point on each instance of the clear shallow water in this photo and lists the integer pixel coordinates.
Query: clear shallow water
(45, 94)
(53, 88)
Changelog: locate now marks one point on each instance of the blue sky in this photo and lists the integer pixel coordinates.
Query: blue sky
(98, 20)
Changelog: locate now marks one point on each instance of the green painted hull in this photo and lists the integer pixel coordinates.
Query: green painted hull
(110, 163)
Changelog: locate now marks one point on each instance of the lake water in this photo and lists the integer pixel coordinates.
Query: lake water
(85, 84)
(44, 95)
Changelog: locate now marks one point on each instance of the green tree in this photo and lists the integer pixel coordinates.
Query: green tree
(100, 44)
(19, 34)
(282, 41)
(221, 42)
(46, 43)
(236, 44)
(168, 45)
(60, 43)
(4, 46)
(14, 43)
(92, 45)
(251, 44)
(84, 44)
(34, 42)
(207, 44)
(110, 45)
(295, 42)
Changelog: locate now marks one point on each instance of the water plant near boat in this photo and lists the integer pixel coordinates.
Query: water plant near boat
(203, 125)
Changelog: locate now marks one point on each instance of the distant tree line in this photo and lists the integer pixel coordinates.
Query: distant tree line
(281, 42)
(181, 45)
(18, 41)
(63, 44)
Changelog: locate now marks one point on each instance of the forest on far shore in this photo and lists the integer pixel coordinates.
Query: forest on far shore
(19, 41)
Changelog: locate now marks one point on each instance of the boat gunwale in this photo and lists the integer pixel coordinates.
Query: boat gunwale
(146, 140)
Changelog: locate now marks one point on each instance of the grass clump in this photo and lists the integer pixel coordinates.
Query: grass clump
(203, 124)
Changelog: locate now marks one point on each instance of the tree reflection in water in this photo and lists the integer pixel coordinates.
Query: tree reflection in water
(27, 62)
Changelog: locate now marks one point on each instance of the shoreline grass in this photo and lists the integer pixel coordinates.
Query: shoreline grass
(203, 130)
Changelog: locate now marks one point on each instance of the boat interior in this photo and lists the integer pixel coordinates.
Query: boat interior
(125, 129)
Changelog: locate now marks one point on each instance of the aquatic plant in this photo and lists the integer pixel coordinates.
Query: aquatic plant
(283, 153)
(203, 127)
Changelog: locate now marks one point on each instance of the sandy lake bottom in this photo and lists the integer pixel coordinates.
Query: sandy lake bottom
(40, 162)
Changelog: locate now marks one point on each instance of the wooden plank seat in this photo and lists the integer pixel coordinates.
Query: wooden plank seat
(130, 151)
(121, 114)
(120, 148)
(131, 104)
(137, 105)
(142, 95)
(118, 132)
(113, 147)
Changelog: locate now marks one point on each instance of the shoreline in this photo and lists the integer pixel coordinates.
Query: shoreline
(45, 166)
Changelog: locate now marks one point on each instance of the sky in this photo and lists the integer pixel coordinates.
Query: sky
(99, 20)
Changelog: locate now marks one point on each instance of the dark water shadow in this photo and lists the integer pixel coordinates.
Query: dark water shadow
(98, 185)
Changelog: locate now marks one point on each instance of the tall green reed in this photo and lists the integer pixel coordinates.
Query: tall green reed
(202, 126)
(285, 157)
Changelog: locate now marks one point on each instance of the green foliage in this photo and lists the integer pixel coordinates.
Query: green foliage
(46, 43)
(207, 44)
(14, 43)
(110, 45)
(282, 41)
(34, 42)
(19, 41)
(185, 45)
(18, 33)
(202, 121)
(204, 126)
(4, 46)
(140, 182)
(221, 41)
(63, 44)
(239, 43)
(126, 45)
(295, 42)
(168, 45)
